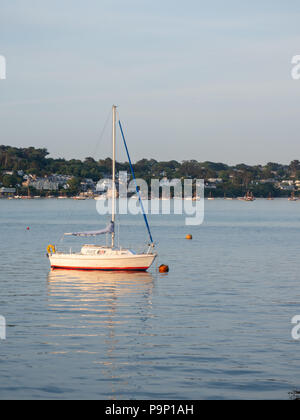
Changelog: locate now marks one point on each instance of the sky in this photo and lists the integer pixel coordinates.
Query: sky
(205, 80)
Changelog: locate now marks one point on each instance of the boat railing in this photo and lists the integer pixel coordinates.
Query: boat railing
(144, 249)
(64, 249)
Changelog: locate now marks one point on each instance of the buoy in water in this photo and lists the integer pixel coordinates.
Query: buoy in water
(28, 228)
(164, 268)
(189, 237)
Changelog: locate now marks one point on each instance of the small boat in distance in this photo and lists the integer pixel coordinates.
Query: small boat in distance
(292, 197)
(100, 197)
(106, 258)
(79, 198)
(107, 195)
(196, 198)
(248, 197)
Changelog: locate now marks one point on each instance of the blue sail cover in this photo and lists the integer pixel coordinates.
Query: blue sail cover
(109, 229)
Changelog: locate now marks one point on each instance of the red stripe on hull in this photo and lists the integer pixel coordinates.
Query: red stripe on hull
(100, 269)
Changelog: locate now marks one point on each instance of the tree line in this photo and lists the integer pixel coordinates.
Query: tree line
(235, 180)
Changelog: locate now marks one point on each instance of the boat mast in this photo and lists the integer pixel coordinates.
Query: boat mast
(114, 108)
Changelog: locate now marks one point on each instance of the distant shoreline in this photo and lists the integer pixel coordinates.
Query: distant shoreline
(31, 172)
(171, 199)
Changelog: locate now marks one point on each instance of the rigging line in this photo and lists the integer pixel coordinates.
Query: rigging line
(101, 136)
(136, 186)
(71, 210)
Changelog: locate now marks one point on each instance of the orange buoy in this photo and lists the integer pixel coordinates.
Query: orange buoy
(164, 268)
(189, 237)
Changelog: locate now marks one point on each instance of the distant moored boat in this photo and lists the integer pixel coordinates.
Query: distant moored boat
(292, 197)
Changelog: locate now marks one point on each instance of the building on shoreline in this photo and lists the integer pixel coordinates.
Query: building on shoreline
(7, 192)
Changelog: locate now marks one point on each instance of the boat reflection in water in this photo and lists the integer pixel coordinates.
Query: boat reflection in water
(118, 283)
(102, 318)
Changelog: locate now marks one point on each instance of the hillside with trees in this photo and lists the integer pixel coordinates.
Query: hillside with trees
(272, 179)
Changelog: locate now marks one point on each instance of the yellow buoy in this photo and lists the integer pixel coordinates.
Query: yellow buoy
(164, 268)
(189, 237)
(51, 249)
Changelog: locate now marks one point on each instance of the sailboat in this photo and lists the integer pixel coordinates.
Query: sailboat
(292, 197)
(106, 258)
(248, 197)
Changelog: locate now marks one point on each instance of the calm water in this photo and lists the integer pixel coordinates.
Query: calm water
(217, 326)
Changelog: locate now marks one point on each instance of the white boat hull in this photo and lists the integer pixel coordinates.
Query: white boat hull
(140, 262)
